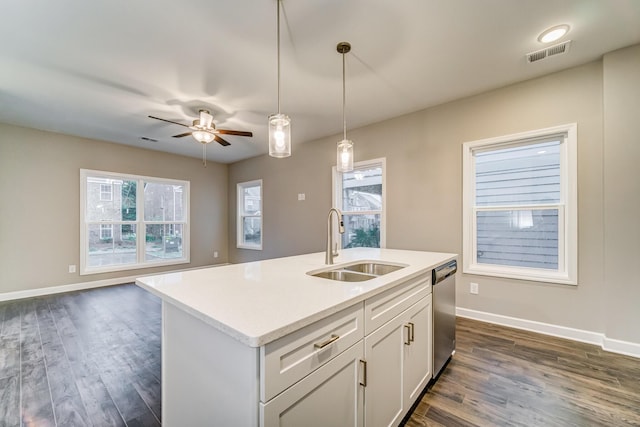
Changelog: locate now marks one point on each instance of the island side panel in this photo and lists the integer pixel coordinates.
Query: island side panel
(208, 378)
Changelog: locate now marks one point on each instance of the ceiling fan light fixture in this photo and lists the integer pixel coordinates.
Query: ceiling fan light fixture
(203, 136)
(279, 135)
(279, 124)
(344, 159)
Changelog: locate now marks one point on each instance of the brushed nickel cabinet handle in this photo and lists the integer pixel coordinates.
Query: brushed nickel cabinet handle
(411, 329)
(327, 342)
(363, 383)
(408, 328)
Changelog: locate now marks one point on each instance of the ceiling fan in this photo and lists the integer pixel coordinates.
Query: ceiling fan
(203, 130)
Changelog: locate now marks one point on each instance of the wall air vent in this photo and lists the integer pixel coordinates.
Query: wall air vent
(550, 51)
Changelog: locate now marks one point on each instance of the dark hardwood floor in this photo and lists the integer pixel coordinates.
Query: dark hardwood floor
(93, 358)
(81, 359)
(507, 377)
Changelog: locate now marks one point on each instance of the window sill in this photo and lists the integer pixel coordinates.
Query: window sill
(253, 248)
(116, 268)
(531, 275)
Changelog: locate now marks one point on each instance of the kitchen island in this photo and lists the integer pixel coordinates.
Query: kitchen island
(265, 343)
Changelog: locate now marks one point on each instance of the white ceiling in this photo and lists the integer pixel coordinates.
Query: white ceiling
(96, 69)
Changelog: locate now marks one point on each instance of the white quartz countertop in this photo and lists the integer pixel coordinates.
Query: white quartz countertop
(259, 302)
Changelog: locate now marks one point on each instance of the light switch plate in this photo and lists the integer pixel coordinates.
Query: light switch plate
(301, 196)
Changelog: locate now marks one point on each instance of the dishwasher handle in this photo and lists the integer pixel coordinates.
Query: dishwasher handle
(445, 270)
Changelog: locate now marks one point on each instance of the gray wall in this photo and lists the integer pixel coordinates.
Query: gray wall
(40, 208)
(39, 184)
(622, 193)
(424, 189)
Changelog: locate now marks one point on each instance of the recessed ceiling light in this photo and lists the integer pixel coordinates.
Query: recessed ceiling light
(554, 33)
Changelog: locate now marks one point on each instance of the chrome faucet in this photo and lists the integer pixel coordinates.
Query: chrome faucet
(331, 253)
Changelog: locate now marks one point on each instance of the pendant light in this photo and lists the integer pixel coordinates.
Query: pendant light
(344, 161)
(279, 124)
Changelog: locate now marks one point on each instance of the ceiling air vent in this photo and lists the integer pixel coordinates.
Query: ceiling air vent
(547, 52)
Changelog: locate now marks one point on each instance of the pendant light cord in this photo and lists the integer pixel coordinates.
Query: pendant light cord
(278, 38)
(344, 118)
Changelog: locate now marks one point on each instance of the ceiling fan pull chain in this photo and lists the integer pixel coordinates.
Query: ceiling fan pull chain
(204, 155)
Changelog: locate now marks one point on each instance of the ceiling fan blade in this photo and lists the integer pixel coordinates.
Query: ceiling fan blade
(182, 135)
(221, 141)
(233, 132)
(168, 121)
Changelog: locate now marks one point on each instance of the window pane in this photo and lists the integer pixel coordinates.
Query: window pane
(361, 231)
(106, 191)
(110, 199)
(164, 202)
(106, 232)
(251, 230)
(362, 190)
(521, 175)
(252, 203)
(118, 248)
(522, 238)
(163, 241)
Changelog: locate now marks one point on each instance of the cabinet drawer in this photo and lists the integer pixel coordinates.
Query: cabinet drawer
(329, 396)
(387, 305)
(292, 357)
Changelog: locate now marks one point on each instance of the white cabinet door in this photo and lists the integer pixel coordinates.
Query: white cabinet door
(331, 396)
(417, 358)
(384, 392)
(399, 364)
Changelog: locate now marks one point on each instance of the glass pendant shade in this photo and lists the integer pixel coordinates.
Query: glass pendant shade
(279, 124)
(203, 136)
(344, 158)
(279, 135)
(344, 161)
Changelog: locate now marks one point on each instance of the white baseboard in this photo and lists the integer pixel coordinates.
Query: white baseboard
(596, 338)
(8, 296)
(621, 347)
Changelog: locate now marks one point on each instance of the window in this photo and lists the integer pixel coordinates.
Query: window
(106, 232)
(142, 223)
(106, 192)
(250, 215)
(520, 206)
(360, 196)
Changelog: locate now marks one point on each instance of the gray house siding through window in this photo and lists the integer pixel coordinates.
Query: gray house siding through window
(510, 182)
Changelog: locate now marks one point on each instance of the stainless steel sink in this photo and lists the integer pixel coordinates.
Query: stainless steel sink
(357, 272)
(344, 276)
(377, 269)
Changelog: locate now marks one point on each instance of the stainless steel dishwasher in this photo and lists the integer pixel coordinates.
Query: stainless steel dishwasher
(444, 314)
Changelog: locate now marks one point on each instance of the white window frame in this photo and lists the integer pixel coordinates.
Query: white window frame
(567, 272)
(336, 185)
(241, 215)
(140, 223)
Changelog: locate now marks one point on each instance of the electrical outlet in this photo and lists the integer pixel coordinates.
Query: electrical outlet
(301, 196)
(473, 288)
(72, 268)
(215, 254)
